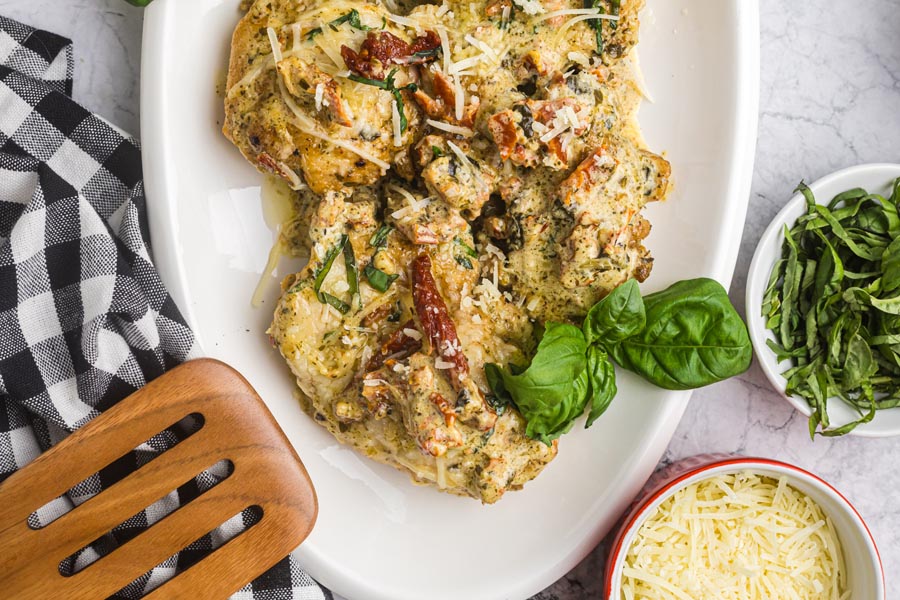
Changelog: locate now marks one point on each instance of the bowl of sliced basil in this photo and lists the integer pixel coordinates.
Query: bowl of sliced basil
(823, 302)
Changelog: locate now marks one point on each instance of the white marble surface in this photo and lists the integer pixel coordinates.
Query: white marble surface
(830, 99)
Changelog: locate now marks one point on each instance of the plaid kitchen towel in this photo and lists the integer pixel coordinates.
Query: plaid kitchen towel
(84, 317)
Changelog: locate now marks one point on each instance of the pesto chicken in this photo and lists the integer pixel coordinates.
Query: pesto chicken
(464, 173)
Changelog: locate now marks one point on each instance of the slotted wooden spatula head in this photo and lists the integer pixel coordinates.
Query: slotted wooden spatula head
(236, 426)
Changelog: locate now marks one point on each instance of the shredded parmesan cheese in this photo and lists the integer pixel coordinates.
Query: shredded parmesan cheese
(460, 94)
(320, 92)
(739, 536)
(406, 22)
(276, 45)
(593, 13)
(309, 127)
(460, 66)
(441, 464)
(460, 155)
(295, 32)
(487, 50)
(412, 333)
(530, 7)
(463, 131)
(445, 48)
(565, 26)
(331, 44)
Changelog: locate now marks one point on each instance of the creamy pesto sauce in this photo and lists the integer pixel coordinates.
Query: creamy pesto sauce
(541, 254)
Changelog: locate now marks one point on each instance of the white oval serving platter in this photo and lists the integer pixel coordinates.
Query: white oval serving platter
(379, 537)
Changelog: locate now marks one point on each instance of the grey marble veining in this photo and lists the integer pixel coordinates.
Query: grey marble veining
(107, 37)
(830, 99)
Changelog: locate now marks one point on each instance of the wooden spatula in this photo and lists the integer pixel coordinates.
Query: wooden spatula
(236, 426)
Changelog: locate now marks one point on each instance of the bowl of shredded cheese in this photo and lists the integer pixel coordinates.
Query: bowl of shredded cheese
(743, 529)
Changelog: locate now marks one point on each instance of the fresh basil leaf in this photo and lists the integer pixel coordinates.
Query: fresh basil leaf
(464, 262)
(890, 267)
(553, 391)
(379, 238)
(340, 305)
(619, 315)
(465, 247)
(368, 81)
(494, 375)
(378, 279)
(860, 363)
(694, 337)
(790, 288)
(602, 376)
(356, 23)
(869, 394)
(352, 270)
(323, 271)
(858, 298)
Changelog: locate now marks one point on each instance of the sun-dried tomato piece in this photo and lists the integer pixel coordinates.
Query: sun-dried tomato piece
(398, 346)
(436, 321)
(377, 51)
(426, 43)
(440, 102)
(445, 407)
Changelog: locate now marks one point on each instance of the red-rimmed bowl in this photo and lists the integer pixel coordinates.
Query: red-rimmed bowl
(865, 573)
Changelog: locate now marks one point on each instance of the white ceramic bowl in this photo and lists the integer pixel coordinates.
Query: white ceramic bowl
(865, 572)
(875, 178)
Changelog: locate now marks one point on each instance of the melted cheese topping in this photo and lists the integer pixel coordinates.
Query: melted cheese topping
(736, 537)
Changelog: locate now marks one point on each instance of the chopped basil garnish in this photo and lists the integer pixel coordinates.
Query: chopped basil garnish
(388, 86)
(322, 273)
(431, 53)
(615, 5)
(378, 279)
(379, 240)
(356, 23)
(597, 24)
(352, 274)
(352, 271)
(465, 262)
(337, 303)
(351, 17)
(467, 248)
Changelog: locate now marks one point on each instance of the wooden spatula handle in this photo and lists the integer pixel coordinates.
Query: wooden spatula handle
(237, 427)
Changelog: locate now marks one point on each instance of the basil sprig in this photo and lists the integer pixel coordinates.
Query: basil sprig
(693, 337)
(554, 390)
(685, 337)
(833, 304)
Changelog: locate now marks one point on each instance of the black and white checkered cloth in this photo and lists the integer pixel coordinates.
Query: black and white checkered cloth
(84, 317)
